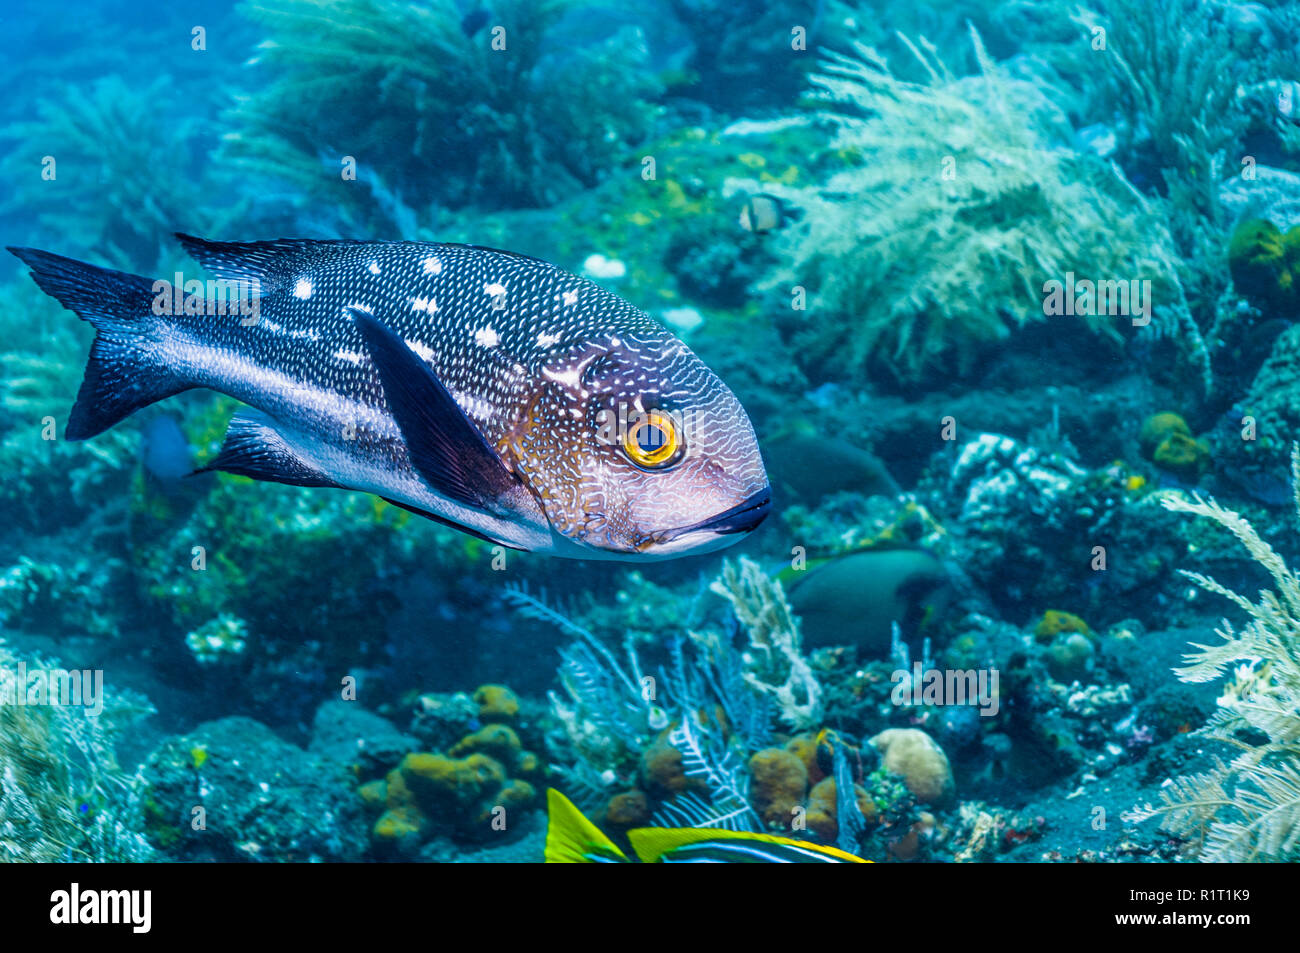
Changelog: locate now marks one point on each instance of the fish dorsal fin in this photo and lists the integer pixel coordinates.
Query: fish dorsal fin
(571, 838)
(273, 264)
(651, 843)
(446, 447)
(278, 263)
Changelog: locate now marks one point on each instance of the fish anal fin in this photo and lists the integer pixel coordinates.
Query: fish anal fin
(445, 446)
(255, 448)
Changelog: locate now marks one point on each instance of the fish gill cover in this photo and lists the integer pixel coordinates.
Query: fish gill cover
(944, 318)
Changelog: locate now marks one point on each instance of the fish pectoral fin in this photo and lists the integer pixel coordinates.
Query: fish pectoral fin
(446, 447)
(254, 448)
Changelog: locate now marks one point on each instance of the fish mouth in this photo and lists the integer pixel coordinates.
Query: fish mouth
(741, 518)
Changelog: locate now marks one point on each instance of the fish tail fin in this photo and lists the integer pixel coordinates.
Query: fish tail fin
(572, 839)
(122, 373)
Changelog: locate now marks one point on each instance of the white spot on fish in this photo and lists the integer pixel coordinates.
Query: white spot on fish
(476, 407)
(432, 266)
(546, 339)
(495, 289)
(420, 348)
(352, 357)
(570, 298)
(486, 337)
(570, 378)
(374, 267)
(302, 289)
(424, 304)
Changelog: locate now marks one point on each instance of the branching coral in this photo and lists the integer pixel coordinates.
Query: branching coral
(775, 664)
(104, 190)
(512, 115)
(956, 209)
(742, 52)
(1171, 69)
(63, 795)
(1249, 808)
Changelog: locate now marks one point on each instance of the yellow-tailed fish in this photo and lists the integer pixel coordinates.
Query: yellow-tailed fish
(572, 839)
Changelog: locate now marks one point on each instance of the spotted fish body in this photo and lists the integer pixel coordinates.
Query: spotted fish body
(477, 387)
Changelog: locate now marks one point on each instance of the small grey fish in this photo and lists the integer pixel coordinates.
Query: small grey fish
(165, 451)
(763, 213)
(483, 389)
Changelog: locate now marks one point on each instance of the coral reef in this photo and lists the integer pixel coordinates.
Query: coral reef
(482, 784)
(970, 487)
(233, 790)
(922, 764)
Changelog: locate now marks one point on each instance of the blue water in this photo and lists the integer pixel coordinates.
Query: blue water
(991, 285)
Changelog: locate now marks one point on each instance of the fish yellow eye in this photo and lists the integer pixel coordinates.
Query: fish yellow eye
(652, 441)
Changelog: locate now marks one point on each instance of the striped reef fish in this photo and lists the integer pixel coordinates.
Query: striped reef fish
(572, 839)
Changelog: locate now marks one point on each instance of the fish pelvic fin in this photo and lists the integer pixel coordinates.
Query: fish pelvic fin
(572, 839)
(452, 523)
(123, 373)
(255, 448)
(446, 447)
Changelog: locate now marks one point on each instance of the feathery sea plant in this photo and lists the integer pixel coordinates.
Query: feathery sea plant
(721, 772)
(108, 143)
(716, 700)
(607, 715)
(1172, 71)
(63, 795)
(1247, 809)
(959, 202)
(774, 662)
(434, 117)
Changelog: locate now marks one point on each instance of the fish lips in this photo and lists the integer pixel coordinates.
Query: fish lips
(741, 518)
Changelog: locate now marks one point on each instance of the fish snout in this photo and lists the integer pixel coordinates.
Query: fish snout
(741, 518)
